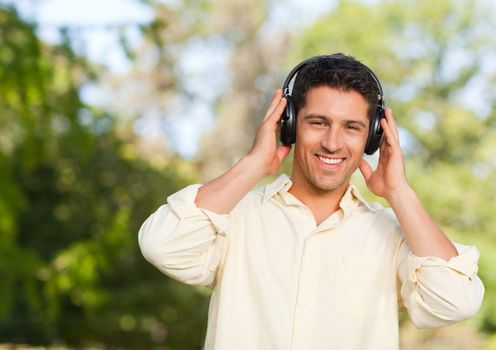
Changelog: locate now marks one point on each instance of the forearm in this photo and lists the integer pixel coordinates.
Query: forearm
(223, 193)
(422, 234)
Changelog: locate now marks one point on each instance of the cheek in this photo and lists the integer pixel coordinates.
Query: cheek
(309, 137)
(357, 142)
(299, 151)
(303, 153)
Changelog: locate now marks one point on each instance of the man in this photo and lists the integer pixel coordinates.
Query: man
(306, 262)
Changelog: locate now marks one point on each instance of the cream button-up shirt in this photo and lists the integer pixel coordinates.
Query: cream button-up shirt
(282, 282)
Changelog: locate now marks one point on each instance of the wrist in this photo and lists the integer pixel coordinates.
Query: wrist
(400, 195)
(253, 167)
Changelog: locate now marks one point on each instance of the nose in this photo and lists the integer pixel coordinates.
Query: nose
(332, 140)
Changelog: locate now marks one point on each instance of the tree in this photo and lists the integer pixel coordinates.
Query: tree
(73, 196)
(241, 66)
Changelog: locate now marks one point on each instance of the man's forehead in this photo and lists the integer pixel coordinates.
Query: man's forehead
(332, 104)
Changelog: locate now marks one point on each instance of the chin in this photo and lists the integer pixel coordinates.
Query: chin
(327, 186)
(330, 184)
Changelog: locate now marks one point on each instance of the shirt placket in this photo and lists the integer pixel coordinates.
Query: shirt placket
(302, 317)
(304, 314)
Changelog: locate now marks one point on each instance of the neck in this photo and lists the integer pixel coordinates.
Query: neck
(320, 202)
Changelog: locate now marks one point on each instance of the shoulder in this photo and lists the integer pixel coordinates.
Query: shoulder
(382, 214)
(374, 211)
(259, 197)
(378, 218)
(252, 200)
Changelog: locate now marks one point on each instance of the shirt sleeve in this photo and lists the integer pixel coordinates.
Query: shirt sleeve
(183, 241)
(437, 292)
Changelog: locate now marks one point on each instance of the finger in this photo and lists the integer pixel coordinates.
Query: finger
(274, 103)
(392, 123)
(365, 169)
(391, 139)
(382, 148)
(277, 112)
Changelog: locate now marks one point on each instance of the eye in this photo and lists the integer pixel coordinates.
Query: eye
(317, 123)
(353, 127)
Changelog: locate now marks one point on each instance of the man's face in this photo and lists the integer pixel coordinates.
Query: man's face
(331, 133)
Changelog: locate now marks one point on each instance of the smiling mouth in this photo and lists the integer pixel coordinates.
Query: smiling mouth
(331, 161)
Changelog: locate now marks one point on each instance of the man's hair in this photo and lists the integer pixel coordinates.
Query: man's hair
(337, 71)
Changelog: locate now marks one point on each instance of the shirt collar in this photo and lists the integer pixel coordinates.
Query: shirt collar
(351, 198)
(281, 184)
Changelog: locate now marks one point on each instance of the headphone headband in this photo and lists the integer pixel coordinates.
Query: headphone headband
(295, 70)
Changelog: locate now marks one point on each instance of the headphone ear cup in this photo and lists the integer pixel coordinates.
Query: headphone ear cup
(376, 134)
(288, 122)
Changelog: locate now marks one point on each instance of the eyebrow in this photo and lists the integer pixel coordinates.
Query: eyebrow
(323, 117)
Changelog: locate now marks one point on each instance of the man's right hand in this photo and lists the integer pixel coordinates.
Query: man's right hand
(223, 193)
(265, 152)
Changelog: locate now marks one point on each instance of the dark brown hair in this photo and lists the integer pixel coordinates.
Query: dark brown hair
(336, 71)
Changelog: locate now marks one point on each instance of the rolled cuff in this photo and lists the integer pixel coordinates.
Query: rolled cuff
(465, 262)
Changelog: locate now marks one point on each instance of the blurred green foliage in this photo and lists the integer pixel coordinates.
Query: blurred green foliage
(73, 192)
(72, 200)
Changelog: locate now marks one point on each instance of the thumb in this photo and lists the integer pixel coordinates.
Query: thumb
(365, 169)
(282, 151)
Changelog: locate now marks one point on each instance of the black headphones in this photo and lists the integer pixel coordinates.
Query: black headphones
(288, 119)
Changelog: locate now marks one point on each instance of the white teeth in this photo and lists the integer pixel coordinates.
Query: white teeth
(331, 161)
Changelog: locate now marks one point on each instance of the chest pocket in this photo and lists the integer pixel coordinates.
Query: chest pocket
(362, 287)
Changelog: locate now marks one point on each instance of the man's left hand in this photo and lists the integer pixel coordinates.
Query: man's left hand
(389, 177)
